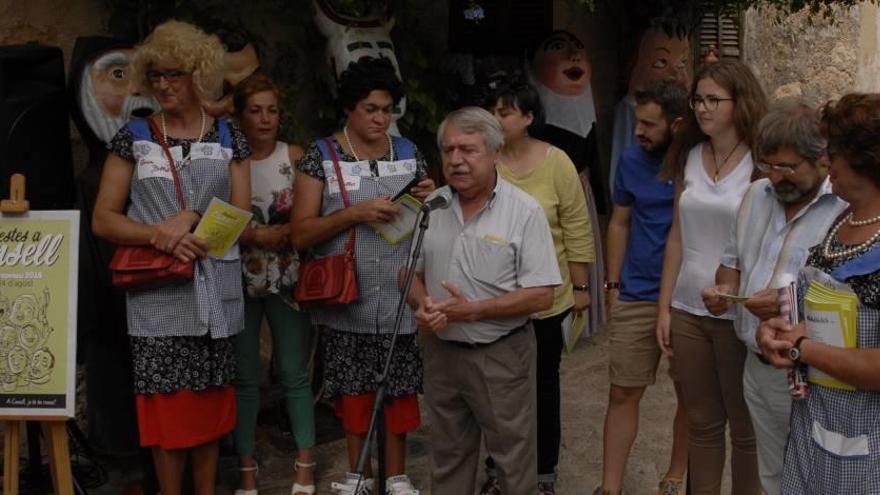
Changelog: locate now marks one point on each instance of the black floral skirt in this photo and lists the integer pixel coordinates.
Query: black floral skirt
(167, 364)
(352, 361)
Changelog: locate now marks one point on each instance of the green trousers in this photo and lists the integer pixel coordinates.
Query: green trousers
(291, 330)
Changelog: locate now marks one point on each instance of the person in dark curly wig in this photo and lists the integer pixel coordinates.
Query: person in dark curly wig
(834, 432)
(376, 167)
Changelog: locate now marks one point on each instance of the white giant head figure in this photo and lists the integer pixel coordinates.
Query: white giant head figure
(106, 94)
(349, 39)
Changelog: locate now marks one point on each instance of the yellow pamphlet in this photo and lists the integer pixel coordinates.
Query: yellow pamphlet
(572, 327)
(831, 319)
(221, 225)
(403, 224)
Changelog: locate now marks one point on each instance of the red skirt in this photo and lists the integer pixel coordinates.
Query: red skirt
(184, 418)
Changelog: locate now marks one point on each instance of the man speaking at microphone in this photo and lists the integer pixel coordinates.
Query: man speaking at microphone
(487, 264)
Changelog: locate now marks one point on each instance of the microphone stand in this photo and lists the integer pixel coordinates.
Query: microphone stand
(381, 379)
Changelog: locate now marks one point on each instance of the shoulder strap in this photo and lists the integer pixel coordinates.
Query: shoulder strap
(349, 246)
(140, 129)
(224, 134)
(405, 148)
(863, 264)
(159, 137)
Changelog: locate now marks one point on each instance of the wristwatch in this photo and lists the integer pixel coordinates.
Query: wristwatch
(612, 285)
(581, 288)
(794, 352)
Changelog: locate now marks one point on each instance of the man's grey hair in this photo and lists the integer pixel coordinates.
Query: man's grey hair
(474, 119)
(791, 122)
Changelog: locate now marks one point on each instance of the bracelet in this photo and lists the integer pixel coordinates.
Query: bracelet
(581, 288)
(612, 285)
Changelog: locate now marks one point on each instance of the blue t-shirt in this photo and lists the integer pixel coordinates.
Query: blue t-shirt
(636, 186)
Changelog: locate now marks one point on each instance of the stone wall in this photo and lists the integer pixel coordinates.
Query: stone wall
(50, 22)
(817, 58)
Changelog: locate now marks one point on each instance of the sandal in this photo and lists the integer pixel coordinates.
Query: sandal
(671, 486)
(256, 470)
(298, 489)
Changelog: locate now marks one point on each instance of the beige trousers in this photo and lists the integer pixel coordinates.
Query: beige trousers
(709, 360)
(486, 392)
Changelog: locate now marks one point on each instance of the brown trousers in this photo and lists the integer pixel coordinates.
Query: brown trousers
(709, 361)
(486, 392)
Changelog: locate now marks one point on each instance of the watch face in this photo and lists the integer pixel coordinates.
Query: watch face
(794, 354)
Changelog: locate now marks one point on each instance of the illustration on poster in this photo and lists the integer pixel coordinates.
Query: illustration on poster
(24, 329)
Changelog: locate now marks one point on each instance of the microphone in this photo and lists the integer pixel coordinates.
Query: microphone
(439, 202)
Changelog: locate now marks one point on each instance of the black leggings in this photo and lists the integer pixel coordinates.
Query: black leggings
(548, 334)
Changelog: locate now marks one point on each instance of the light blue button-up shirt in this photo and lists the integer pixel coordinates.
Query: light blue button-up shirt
(769, 250)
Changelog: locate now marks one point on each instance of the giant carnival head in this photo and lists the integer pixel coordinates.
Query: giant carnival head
(663, 51)
(351, 37)
(240, 60)
(105, 98)
(561, 64)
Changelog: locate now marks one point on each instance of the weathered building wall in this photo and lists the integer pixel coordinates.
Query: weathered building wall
(817, 58)
(51, 22)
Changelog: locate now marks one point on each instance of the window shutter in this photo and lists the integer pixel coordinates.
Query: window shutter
(719, 30)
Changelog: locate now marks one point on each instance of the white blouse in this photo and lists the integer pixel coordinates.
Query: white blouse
(707, 213)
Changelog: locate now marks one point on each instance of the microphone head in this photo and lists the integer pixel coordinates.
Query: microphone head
(439, 202)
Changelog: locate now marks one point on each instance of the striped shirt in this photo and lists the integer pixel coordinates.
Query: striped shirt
(769, 250)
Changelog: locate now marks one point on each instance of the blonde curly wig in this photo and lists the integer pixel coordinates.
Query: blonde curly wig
(189, 46)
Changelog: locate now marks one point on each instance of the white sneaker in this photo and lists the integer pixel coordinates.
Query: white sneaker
(348, 486)
(399, 485)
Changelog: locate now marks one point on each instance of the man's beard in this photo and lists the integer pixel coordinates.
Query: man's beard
(655, 148)
(787, 192)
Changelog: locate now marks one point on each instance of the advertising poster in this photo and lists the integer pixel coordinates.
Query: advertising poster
(39, 253)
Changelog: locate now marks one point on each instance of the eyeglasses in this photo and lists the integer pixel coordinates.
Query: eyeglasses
(709, 102)
(171, 75)
(779, 168)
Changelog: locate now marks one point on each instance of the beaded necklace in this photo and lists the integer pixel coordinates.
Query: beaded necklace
(826, 248)
(354, 153)
(188, 156)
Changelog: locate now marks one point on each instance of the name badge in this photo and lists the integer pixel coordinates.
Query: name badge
(205, 150)
(352, 183)
(398, 167)
(151, 160)
(358, 169)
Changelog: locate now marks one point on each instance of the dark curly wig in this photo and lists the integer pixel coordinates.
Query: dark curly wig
(852, 127)
(366, 75)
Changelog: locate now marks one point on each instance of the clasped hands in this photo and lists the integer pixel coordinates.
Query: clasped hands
(434, 316)
(174, 236)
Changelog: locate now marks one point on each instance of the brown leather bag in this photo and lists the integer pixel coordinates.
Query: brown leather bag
(332, 280)
(135, 268)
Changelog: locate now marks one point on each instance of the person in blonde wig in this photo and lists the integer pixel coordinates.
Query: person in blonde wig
(183, 357)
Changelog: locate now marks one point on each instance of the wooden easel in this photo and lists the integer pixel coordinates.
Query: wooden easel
(53, 426)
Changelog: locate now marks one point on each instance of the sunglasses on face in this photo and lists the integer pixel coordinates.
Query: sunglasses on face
(171, 75)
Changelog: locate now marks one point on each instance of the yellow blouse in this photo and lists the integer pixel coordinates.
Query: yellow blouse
(555, 184)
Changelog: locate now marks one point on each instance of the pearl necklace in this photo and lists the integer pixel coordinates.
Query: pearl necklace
(826, 248)
(860, 223)
(186, 159)
(354, 153)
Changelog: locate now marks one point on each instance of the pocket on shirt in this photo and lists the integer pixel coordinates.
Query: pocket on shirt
(492, 261)
(229, 276)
